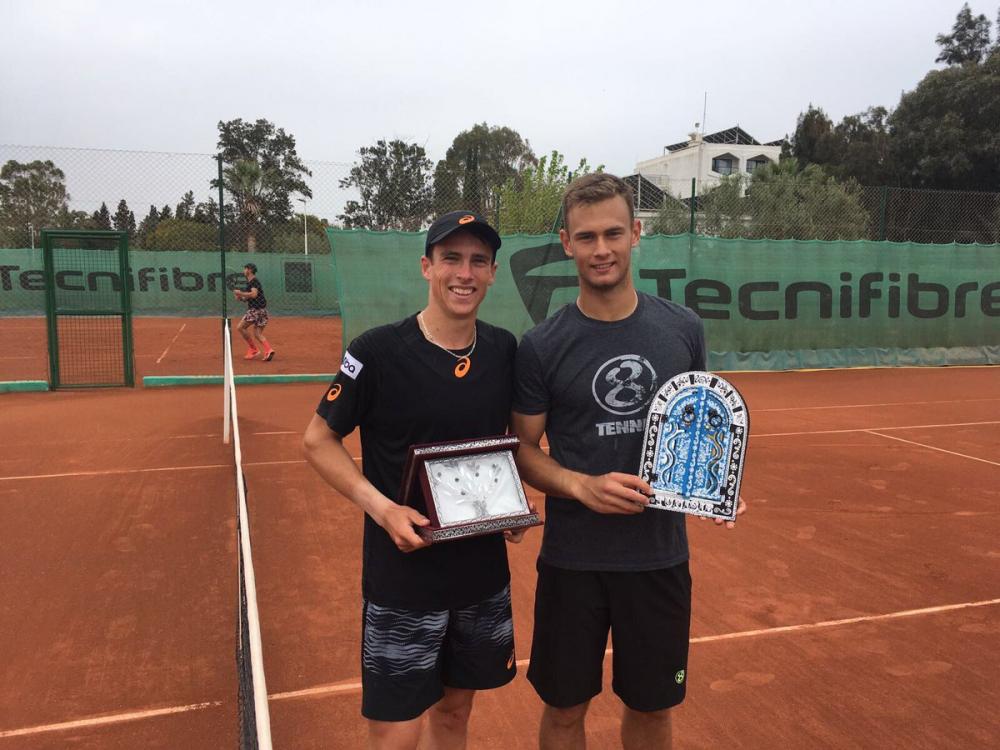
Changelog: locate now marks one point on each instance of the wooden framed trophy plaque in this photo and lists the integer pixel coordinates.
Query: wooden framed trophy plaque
(695, 446)
(469, 487)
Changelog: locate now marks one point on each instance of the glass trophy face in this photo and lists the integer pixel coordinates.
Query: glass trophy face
(696, 439)
(475, 487)
(468, 488)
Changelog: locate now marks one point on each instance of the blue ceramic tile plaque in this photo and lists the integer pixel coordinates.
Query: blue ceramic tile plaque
(695, 446)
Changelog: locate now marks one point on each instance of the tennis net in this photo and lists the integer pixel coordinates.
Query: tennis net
(254, 717)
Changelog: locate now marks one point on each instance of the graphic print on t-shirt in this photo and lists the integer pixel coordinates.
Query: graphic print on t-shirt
(624, 384)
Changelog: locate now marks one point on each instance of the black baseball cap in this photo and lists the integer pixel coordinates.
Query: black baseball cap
(452, 221)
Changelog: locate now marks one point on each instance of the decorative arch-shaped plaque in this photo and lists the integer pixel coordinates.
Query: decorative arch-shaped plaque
(696, 443)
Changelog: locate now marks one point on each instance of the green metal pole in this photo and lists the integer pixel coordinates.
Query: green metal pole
(881, 221)
(559, 214)
(128, 352)
(222, 242)
(50, 310)
(691, 230)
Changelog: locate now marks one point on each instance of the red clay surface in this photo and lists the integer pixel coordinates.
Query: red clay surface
(857, 604)
(186, 346)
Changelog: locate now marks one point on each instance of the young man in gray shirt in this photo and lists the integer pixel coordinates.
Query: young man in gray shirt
(585, 377)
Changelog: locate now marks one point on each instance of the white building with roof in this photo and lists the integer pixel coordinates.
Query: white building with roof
(706, 159)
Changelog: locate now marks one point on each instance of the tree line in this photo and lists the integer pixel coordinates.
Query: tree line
(942, 136)
(261, 174)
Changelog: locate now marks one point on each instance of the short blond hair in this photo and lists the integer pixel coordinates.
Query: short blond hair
(594, 188)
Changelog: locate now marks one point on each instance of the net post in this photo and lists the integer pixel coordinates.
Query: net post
(50, 310)
(222, 240)
(128, 347)
(227, 371)
(883, 200)
(694, 199)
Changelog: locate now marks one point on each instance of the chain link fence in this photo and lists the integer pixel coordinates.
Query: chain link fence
(170, 203)
(165, 201)
(793, 208)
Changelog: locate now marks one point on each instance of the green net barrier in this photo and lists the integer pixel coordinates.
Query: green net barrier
(187, 286)
(766, 304)
(89, 335)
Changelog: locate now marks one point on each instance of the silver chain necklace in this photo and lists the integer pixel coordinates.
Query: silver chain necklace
(464, 360)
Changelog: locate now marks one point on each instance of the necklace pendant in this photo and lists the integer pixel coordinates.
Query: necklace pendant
(463, 367)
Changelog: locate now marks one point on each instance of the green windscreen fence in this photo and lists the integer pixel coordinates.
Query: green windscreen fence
(766, 304)
(175, 298)
(175, 282)
(89, 333)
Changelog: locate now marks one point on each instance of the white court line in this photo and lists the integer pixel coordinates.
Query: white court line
(868, 429)
(113, 719)
(934, 448)
(871, 406)
(171, 343)
(845, 621)
(871, 430)
(355, 686)
(283, 462)
(344, 687)
(113, 472)
(356, 459)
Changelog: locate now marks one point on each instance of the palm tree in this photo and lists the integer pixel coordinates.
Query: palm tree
(245, 180)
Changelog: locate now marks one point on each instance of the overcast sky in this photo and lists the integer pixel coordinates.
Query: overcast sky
(612, 81)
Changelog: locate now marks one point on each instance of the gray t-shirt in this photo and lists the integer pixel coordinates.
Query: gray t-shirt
(594, 381)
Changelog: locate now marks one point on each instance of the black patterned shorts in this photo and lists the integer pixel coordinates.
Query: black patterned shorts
(256, 316)
(408, 656)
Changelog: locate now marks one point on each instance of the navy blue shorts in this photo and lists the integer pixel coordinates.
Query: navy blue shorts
(649, 616)
(408, 657)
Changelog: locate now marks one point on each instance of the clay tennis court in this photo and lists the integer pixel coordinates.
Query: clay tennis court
(857, 604)
(167, 345)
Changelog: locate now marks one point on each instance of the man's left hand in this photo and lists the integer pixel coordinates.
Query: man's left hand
(741, 508)
(516, 536)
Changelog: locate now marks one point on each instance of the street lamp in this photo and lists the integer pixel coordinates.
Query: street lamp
(305, 230)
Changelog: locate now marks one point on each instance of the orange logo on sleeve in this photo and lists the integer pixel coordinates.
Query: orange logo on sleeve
(466, 219)
(334, 392)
